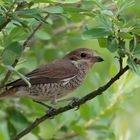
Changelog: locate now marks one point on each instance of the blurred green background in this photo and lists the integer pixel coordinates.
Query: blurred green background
(99, 25)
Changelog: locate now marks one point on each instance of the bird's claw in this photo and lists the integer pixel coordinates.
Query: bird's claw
(50, 110)
(74, 100)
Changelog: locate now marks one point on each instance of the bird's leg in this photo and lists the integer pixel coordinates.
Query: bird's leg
(41, 103)
(49, 107)
(72, 99)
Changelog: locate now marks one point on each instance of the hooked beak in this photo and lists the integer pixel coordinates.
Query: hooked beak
(97, 59)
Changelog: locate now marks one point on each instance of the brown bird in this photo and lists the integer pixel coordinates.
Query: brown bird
(57, 79)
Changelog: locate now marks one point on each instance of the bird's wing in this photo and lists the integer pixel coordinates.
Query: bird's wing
(51, 73)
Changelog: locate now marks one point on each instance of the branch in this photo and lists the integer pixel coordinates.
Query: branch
(81, 101)
(25, 44)
(8, 19)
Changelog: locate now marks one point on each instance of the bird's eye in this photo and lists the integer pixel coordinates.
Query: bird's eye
(83, 55)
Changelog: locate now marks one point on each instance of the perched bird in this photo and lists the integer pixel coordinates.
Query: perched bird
(57, 79)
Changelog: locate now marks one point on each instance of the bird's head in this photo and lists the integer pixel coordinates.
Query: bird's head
(84, 56)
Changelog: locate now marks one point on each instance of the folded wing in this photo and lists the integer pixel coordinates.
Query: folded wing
(51, 73)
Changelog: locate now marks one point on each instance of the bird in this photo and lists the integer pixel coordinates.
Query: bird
(57, 79)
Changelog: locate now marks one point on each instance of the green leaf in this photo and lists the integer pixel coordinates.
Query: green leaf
(43, 35)
(107, 12)
(54, 9)
(25, 79)
(78, 129)
(132, 64)
(136, 30)
(102, 42)
(96, 33)
(136, 53)
(112, 44)
(132, 45)
(56, 1)
(72, 9)
(17, 119)
(125, 35)
(12, 52)
(121, 52)
(43, 1)
(11, 129)
(85, 111)
(69, 1)
(2, 20)
(124, 6)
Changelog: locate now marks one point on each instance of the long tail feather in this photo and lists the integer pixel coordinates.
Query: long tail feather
(7, 93)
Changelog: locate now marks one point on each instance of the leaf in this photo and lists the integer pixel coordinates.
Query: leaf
(107, 12)
(132, 64)
(85, 111)
(121, 52)
(25, 79)
(2, 20)
(19, 20)
(54, 9)
(11, 129)
(102, 42)
(43, 1)
(69, 1)
(125, 35)
(132, 45)
(124, 6)
(136, 53)
(56, 1)
(43, 35)
(17, 119)
(136, 30)
(78, 129)
(12, 52)
(112, 44)
(72, 9)
(39, 18)
(96, 33)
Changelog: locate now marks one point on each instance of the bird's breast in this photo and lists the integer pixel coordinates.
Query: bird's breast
(74, 82)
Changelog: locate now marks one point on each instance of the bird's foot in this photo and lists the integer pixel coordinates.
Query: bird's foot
(50, 108)
(74, 100)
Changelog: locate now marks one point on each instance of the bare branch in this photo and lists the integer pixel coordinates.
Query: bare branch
(60, 110)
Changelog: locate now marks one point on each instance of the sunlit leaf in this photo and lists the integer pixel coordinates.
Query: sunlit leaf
(124, 35)
(102, 42)
(96, 33)
(54, 9)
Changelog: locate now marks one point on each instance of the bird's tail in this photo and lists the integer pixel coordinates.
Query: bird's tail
(7, 93)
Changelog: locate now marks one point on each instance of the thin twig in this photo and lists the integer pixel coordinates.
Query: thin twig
(8, 19)
(60, 110)
(25, 44)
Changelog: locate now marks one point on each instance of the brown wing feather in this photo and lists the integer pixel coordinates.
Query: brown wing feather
(50, 73)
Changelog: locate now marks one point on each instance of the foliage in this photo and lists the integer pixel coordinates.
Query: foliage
(110, 27)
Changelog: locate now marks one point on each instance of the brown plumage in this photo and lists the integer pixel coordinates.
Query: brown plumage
(57, 79)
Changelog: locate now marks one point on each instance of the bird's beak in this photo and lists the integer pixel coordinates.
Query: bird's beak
(96, 59)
